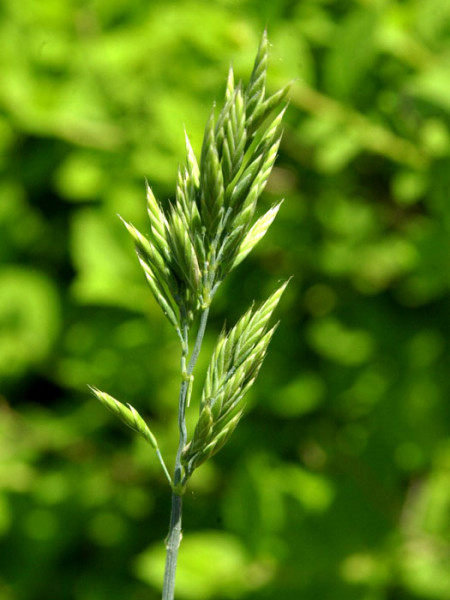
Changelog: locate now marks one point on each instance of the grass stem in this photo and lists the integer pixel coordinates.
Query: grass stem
(174, 537)
(173, 543)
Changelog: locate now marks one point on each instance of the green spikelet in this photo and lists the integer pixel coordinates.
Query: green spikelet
(256, 233)
(211, 178)
(264, 109)
(257, 86)
(230, 84)
(158, 223)
(157, 273)
(127, 414)
(233, 137)
(184, 258)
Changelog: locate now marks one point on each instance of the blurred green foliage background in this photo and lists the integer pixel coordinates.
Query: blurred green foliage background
(336, 485)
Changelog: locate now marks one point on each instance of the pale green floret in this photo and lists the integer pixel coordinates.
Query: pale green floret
(230, 84)
(158, 224)
(184, 259)
(163, 299)
(232, 136)
(192, 165)
(256, 233)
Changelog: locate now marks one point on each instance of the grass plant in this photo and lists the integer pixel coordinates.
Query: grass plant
(191, 246)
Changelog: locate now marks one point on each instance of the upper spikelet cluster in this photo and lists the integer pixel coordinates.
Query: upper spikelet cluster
(210, 227)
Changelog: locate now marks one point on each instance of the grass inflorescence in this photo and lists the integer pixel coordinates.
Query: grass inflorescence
(190, 247)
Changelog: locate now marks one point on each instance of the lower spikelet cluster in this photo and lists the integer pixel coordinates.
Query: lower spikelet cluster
(234, 365)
